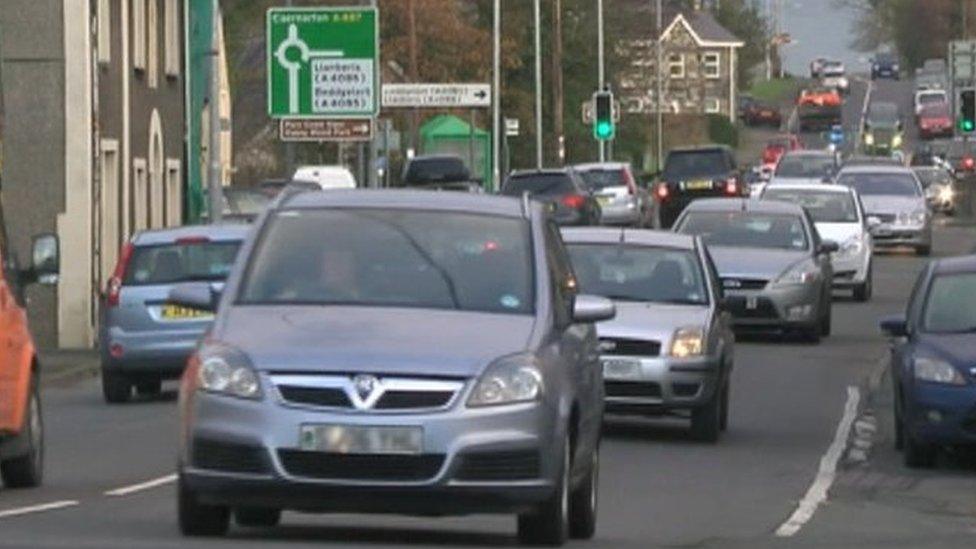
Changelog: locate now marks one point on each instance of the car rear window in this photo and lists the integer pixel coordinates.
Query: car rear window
(597, 179)
(685, 164)
(191, 261)
(434, 170)
(639, 273)
(393, 258)
(542, 184)
(868, 184)
(748, 230)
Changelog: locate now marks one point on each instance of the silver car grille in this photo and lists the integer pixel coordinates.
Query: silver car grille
(365, 392)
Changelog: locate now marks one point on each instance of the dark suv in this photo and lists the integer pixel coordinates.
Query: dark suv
(568, 196)
(439, 172)
(885, 65)
(696, 172)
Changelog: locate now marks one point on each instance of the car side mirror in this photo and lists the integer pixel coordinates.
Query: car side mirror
(894, 326)
(45, 259)
(588, 309)
(195, 295)
(828, 247)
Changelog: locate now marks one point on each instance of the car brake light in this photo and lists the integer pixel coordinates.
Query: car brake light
(662, 191)
(968, 162)
(574, 201)
(731, 186)
(190, 240)
(114, 287)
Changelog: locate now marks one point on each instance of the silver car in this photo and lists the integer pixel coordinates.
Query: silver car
(895, 204)
(839, 216)
(142, 338)
(776, 271)
(670, 348)
(622, 200)
(429, 357)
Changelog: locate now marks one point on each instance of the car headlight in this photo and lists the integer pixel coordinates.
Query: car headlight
(852, 246)
(896, 142)
(918, 217)
(798, 274)
(946, 194)
(937, 371)
(869, 138)
(228, 373)
(509, 380)
(689, 341)
(894, 67)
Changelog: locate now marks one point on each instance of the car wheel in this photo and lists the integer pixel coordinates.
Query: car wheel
(583, 502)
(918, 455)
(149, 388)
(899, 427)
(257, 517)
(197, 519)
(548, 523)
(116, 388)
(863, 291)
(706, 421)
(825, 320)
(924, 251)
(724, 419)
(27, 470)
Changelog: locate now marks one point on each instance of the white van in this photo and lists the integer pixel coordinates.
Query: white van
(326, 177)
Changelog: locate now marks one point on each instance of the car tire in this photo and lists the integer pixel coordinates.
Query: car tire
(149, 388)
(826, 320)
(584, 502)
(918, 455)
(27, 470)
(724, 418)
(924, 251)
(548, 523)
(863, 291)
(197, 519)
(257, 517)
(116, 388)
(706, 421)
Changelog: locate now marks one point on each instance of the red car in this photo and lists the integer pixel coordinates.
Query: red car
(778, 146)
(935, 120)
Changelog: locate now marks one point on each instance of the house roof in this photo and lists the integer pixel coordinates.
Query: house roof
(704, 28)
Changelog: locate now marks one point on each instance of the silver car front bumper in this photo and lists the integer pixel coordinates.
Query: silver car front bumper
(889, 235)
(647, 385)
(776, 307)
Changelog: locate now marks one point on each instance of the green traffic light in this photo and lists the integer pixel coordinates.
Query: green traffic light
(968, 125)
(604, 129)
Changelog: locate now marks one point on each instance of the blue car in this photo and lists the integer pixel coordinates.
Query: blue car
(932, 362)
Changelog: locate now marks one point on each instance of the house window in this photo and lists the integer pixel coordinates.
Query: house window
(676, 65)
(152, 38)
(711, 67)
(712, 106)
(104, 30)
(109, 211)
(174, 192)
(140, 198)
(139, 34)
(172, 39)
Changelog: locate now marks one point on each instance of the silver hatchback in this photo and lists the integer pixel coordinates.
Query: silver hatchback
(622, 200)
(399, 352)
(142, 338)
(670, 349)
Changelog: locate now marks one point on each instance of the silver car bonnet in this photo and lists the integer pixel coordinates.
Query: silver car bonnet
(892, 204)
(376, 340)
(762, 263)
(652, 321)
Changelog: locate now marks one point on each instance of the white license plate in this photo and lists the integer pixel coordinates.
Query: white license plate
(356, 439)
(621, 368)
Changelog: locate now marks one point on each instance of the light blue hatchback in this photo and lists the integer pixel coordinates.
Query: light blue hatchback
(143, 339)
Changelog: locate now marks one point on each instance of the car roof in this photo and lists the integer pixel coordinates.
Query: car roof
(744, 205)
(953, 265)
(541, 171)
(411, 199)
(875, 168)
(825, 187)
(325, 170)
(811, 152)
(644, 237)
(218, 232)
(601, 166)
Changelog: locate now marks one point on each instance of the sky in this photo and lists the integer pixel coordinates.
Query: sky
(819, 29)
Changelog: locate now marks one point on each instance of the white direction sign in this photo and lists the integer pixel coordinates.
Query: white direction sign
(436, 95)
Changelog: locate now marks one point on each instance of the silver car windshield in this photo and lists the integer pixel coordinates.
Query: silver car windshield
(639, 273)
(824, 207)
(748, 230)
(393, 258)
(951, 305)
(867, 184)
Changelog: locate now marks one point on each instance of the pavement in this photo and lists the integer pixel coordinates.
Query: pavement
(809, 440)
(65, 366)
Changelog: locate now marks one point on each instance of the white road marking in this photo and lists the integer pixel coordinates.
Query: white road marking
(37, 508)
(149, 484)
(817, 493)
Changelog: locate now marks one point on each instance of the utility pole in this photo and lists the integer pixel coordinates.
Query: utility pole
(557, 80)
(496, 95)
(601, 76)
(371, 179)
(659, 82)
(414, 72)
(289, 146)
(538, 84)
(214, 186)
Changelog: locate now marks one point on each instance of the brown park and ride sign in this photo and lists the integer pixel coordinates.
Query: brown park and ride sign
(298, 129)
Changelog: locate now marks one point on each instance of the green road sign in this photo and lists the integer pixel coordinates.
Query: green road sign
(323, 62)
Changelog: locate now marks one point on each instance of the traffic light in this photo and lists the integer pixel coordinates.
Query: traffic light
(967, 111)
(603, 125)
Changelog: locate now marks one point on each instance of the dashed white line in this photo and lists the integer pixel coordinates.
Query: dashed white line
(149, 484)
(817, 493)
(54, 505)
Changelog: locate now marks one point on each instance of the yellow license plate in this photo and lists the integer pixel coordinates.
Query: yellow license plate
(603, 200)
(174, 312)
(700, 185)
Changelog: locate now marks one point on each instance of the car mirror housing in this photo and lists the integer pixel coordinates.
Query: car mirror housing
(894, 326)
(588, 309)
(195, 295)
(829, 247)
(45, 259)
